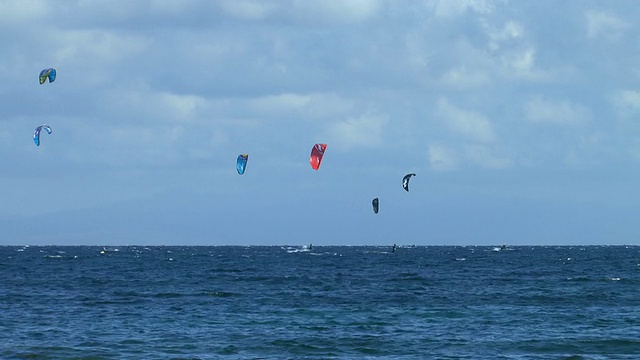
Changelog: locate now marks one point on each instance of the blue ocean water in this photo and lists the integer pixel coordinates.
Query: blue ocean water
(287, 302)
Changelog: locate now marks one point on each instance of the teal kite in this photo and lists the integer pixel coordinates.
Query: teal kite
(241, 163)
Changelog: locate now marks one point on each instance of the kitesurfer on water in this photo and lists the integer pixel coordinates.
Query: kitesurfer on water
(394, 248)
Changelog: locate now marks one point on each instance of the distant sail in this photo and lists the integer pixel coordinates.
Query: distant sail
(375, 203)
(241, 163)
(405, 181)
(317, 152)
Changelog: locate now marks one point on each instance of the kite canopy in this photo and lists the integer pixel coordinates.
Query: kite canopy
(375, 203)
(49, 73)
(241, 163)
(405, 181)
(317, 152)
(36, 133)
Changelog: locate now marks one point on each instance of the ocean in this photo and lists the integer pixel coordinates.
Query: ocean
(320, 302)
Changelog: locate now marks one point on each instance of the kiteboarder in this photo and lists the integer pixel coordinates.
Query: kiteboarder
(394, 248)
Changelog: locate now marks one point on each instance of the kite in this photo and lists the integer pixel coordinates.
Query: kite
(405, 181)
(317, 152)
(36, 133)
(375, 203)
(241, 163)
(47, 73)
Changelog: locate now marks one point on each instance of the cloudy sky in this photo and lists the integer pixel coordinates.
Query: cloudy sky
(521, 120)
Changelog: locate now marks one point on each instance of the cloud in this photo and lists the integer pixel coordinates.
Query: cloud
(627, 102)
(343, 11)
(446, 8)
(19, 11)
(75, 46)
(479, 148)
(282, 103)
(483, 156)
(462, 77)
(489, 55)
(521, 63)
(145, 105)
(564, 113)
(136, 146)
(302, 12)
(283, 113)
(247, 9)
(511, 31)
(449, 158)
(442, 158)
(469, 124)
(315, 105)
(366, 131)
(605, 25)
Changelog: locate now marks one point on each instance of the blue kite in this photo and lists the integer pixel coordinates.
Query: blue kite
(241, 164)
(36, 133)
(49, 73)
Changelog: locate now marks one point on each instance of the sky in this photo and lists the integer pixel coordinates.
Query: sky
(520, 119)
